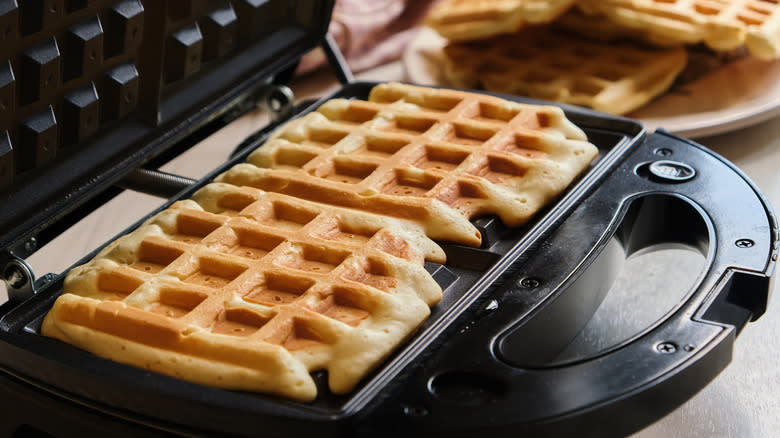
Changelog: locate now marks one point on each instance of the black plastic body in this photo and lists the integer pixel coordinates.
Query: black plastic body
(467, 369)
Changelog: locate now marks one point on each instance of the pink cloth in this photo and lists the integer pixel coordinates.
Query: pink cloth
(370, 32)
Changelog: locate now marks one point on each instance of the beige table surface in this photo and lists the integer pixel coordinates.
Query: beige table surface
(743, 401)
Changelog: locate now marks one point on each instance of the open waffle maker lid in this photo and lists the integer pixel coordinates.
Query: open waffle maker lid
(495, 356)
(90, 90)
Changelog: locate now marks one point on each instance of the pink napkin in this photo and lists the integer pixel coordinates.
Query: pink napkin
(370, 32)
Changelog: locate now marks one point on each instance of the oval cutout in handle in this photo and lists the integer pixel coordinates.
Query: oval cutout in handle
(650, 284)
(643, 273)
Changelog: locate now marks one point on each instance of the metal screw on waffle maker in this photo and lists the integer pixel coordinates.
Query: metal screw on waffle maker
(310, 255)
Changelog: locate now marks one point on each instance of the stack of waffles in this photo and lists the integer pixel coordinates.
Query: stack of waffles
(610, 55)
(310, 255)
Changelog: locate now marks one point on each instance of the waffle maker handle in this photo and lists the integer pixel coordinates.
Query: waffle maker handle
(496, 372)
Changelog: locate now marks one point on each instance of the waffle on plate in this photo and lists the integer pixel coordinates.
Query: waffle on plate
(473, 19)
(722, 25)
(545, 63)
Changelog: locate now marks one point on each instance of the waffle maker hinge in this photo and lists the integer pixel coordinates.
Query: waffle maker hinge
(18, 277)
(278, 100)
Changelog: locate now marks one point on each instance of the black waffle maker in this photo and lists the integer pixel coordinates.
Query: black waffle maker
(95, 95)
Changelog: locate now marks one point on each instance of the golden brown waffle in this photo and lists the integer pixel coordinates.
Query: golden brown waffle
(247, 289)
(251, 290)
(474, 19)
(546, 64)
(598, 27)
(430, 156)
(721, 24)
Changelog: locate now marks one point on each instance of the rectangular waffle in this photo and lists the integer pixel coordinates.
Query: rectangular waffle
(596, 26)
(545, 63)
(272, 273)
(474, 19)
(721, 24)
(251, 290)
(431, 156)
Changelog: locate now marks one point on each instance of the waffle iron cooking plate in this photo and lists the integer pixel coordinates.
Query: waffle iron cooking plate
(487, 360)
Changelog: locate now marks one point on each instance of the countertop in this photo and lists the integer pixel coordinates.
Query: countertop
(743, 401)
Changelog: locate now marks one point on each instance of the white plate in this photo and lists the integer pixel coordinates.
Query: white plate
(738, 95)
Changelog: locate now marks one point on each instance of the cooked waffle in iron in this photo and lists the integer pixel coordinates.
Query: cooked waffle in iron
(431, 156)
(473, 19)
(721, 24)
(544, 63)
(251, 290)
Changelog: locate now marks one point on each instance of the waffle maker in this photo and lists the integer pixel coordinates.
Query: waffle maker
(98, 94)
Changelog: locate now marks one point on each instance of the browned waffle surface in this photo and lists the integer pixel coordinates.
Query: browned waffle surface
(431, 156)
(546, 64)
(597, 26)
(311, 258)
(721, 24)
(253, 291)
(473, 19)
